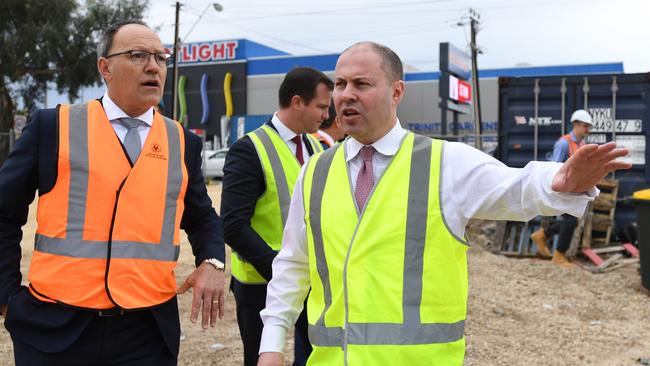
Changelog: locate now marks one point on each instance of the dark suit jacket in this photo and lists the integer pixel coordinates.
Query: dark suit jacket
(32, 166)
(243, 184)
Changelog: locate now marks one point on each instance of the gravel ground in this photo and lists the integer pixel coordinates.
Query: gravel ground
(521, 312)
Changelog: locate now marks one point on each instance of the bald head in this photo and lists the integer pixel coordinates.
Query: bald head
(390, 62)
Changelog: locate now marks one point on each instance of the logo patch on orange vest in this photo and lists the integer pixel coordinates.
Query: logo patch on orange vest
(156, 152)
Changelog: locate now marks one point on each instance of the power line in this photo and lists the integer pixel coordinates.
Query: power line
(277, 39)
(378, 31)
(326, 11)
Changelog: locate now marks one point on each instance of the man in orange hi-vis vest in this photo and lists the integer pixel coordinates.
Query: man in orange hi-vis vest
(563, 149)
(116, 181)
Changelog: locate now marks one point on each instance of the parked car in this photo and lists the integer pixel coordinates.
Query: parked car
(214, 163)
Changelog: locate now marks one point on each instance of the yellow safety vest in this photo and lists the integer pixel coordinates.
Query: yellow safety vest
(389, 283)
(281, 170)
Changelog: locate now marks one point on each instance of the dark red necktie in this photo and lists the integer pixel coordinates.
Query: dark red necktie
(298, 142)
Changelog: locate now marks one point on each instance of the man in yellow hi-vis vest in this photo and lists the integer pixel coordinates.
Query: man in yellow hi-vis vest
(259, 175)
(376, 227)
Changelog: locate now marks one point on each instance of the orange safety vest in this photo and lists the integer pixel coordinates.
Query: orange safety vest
(321, 138)
(573, 146)
(108, 233)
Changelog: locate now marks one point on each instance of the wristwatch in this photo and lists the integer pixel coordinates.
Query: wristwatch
(216, 263)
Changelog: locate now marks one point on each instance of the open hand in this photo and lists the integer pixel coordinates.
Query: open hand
(207, 285)
(588, 166)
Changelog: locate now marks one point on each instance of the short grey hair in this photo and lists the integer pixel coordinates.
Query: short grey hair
(105, 41)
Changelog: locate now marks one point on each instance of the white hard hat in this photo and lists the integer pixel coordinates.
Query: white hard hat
(582, 116)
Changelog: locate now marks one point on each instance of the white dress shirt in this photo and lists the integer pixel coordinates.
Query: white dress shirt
(474, 185)
(113, 112)
(327, 137)
(286, 134)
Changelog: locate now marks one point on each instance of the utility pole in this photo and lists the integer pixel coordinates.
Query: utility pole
(478, 127)
(175, 67)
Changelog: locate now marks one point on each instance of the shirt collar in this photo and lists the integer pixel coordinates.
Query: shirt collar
(282, 129)
(574, 137)
(387, 145)
(327, 137)
(114, 112)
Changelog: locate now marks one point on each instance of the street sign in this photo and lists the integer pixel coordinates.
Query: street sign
(454, 61)
(460, 108)
(460, 90)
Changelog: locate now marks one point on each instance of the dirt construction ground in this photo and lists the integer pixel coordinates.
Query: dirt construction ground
(520, 312)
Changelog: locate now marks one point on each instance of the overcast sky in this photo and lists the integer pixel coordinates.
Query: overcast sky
(535, 32)
(513, 32)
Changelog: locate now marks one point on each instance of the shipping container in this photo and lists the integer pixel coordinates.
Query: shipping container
(534, 112)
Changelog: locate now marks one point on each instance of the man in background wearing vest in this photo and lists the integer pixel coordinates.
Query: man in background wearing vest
(331, 130)
(115, 180)
(386, 261)
(259, 175)
(563, 149)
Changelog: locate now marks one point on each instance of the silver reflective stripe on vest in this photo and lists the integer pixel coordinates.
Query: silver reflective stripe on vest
(73, 245)
(412, 331)
(278, 172)
(78, 136)
(416, 229)
(386, 334)
(321, 170)
(174, 182)
(98, 249)
(315, 144)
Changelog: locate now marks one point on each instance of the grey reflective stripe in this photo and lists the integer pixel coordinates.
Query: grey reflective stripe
(387, 334)
(97, 249)
(412, 331)
(319, 178)
(278, 172)
(78, 135)
(416, 229)
(73, 245)
(320, 335)
(316, 147)
(174, 182)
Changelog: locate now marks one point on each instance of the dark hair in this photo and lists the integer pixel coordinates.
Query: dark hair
(390, 62)
(332, 115)
(105, 41)
(302, 81)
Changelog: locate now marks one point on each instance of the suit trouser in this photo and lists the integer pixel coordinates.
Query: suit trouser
(130, 339)
(251, 299)
(565, 229)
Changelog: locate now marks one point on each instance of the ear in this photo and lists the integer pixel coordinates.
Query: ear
(104, 69)
(398, 91)
(297, 102)
(337, 121)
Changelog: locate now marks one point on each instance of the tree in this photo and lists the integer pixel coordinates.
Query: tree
(44, 41)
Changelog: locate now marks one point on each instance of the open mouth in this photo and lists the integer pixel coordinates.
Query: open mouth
(349, 112)
(152, 83)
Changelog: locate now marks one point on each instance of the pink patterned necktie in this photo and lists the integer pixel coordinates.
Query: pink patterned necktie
(365, 179)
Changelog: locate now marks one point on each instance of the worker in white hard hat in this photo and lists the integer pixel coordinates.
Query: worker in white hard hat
(569, 143)
(563, 149)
